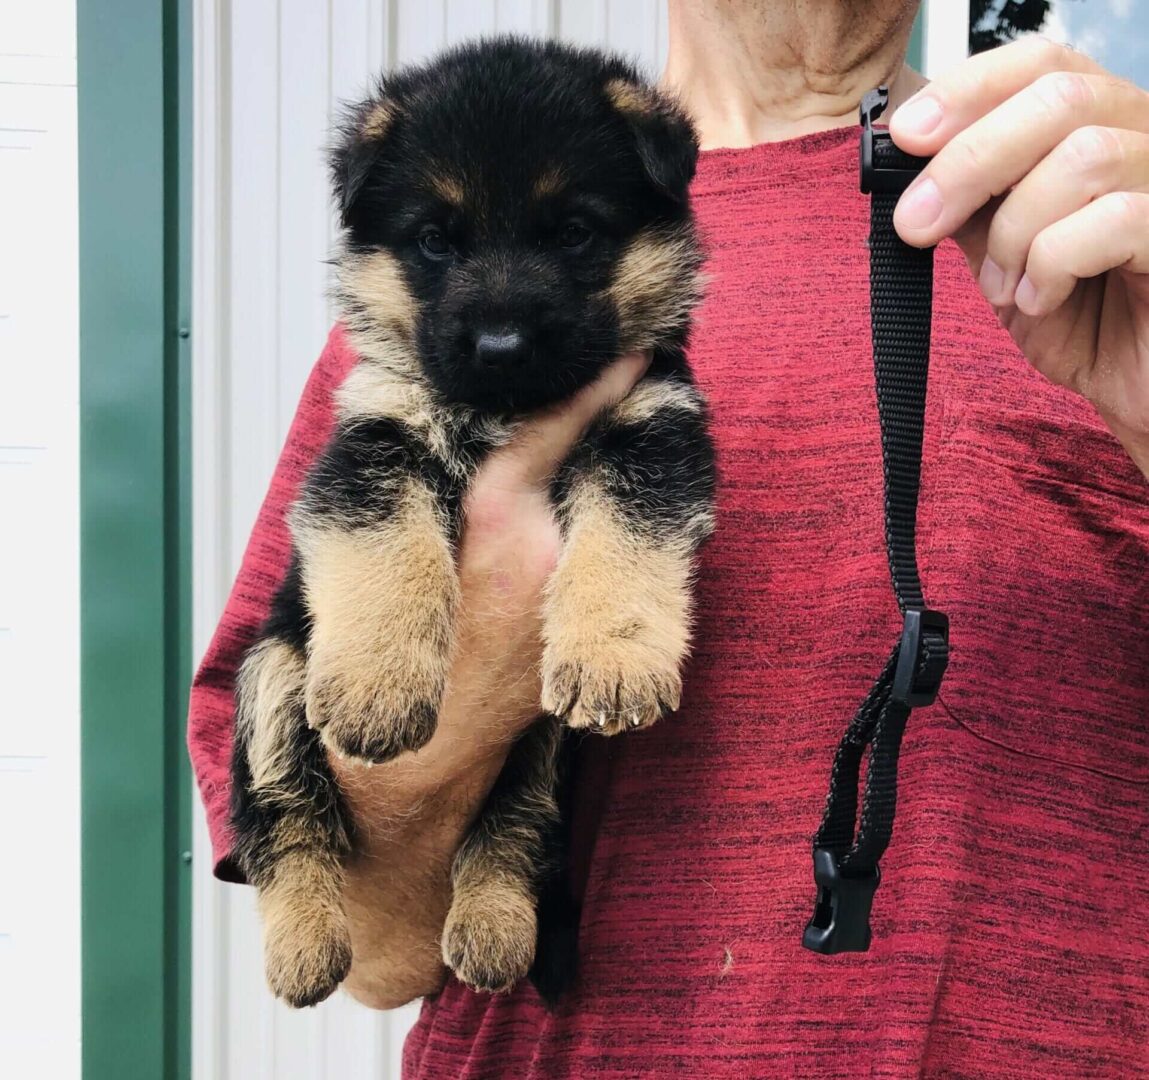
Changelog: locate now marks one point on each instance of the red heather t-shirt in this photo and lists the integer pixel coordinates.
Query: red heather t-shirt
(1010, 934)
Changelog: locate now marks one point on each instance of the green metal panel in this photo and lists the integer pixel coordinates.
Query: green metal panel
(914, 52)
(134, 157)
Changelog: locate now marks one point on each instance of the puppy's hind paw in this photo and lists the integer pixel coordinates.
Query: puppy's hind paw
(372, 730)
(489, 937)
(307, 961)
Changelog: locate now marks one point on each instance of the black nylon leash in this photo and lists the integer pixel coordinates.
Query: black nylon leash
(901, 298)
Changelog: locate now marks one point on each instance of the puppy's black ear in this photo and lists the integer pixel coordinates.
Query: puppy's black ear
(359, 144)
(667, 143)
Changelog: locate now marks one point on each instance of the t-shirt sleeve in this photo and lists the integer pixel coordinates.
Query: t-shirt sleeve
(211, 712)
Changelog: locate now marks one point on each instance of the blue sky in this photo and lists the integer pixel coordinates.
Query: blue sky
(1114, 32)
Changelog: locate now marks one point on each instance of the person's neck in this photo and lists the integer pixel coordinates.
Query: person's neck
(754, 71)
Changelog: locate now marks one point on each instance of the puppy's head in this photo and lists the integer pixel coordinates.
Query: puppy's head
(516, 213)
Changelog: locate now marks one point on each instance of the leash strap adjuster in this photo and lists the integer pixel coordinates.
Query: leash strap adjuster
(875, 176)
(922, 658)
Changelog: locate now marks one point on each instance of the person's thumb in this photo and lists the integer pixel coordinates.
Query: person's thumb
(543, 441)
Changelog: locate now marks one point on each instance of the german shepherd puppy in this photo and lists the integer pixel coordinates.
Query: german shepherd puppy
(515, 217)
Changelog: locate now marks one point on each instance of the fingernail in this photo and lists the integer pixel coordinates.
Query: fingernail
(1025, 298)
(918, 116)
(921, 205)
(991, 280)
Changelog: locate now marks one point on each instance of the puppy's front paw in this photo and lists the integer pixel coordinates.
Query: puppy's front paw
(610, 684)
(489, 937)
(307, 953)
(373, 721)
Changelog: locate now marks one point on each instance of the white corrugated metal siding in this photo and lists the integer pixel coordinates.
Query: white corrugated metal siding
(40, 976)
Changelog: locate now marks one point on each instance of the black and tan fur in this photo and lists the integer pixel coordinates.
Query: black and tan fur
(515, 217)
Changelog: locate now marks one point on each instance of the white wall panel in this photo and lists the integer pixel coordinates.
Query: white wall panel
(248, 253)
(526, 16)
(633, 28)
(269, 76)
(40, 1024)
(468, 18)
(583, 22)
(420, 29)
(303, 229)
(946, 39)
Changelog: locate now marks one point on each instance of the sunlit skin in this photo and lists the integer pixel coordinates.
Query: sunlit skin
(1033, 117)
(1041, 175)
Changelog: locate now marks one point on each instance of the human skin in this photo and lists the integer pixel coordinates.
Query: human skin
(1040, 172)
(1065, 273)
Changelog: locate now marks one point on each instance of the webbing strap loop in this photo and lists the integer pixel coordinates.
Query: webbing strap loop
(847, 846)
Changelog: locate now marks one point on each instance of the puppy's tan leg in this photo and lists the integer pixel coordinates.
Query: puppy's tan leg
(290, 829)
(306, 941)
(491, 929)
(382, 599)
(617, 618)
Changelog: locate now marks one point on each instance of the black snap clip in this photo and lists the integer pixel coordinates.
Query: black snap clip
(841, 920)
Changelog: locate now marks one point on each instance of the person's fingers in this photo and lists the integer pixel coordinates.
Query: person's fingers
(973, 236)
(1111, 232)
(1091, 162)
(952, 102)
(998, 150)
(543, 441)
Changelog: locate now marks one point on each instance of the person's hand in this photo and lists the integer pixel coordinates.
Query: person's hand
(510, 547)
(1041, 175)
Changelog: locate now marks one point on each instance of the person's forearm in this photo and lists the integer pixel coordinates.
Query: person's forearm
(1138, 449)
(411, 817)
(1135, 440)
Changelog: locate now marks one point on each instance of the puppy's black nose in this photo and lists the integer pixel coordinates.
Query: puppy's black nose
(503, 348)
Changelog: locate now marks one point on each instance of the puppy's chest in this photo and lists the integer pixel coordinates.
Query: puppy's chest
(393, 449)
(449, 438)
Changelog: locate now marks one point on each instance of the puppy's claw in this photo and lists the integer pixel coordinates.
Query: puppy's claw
(608, 701)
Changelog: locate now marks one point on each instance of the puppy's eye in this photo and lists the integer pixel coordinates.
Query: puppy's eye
(434, 242)
(573, 235)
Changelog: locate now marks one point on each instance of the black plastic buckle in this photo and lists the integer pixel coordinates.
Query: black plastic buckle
(878, 178)
(841, 919)
(916, 685)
